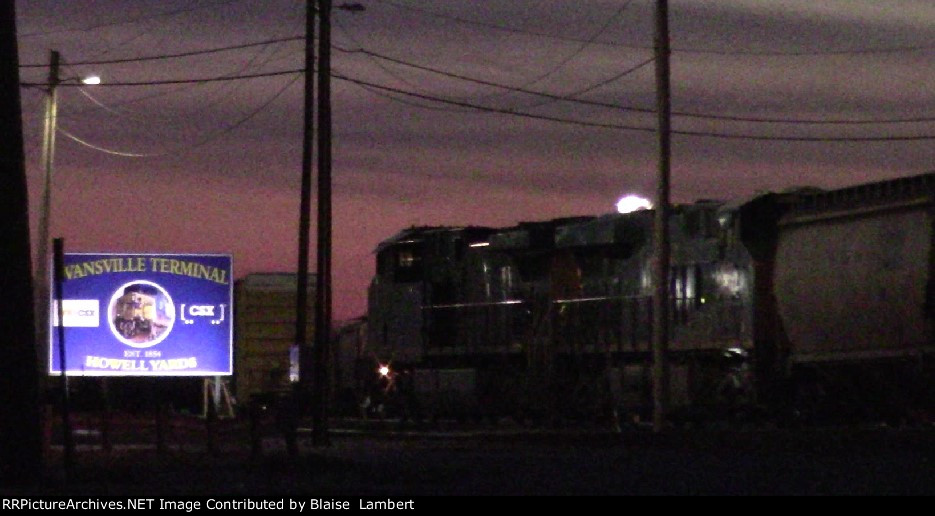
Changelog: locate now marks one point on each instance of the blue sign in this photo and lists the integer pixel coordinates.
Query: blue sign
(145, 315)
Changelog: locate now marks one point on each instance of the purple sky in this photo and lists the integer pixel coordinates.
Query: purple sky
(212, 182)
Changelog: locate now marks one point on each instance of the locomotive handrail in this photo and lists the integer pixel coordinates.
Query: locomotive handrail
(485, 303)
(598, 298)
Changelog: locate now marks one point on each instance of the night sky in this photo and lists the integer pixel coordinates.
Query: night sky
(217, 165)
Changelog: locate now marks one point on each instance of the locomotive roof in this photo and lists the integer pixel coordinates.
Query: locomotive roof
(416, 234)
(607, 229)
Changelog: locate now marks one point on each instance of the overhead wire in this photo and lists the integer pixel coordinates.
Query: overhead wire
(408, 95)
(617, 76)
(711, 51)
(568, 97)
(347, 33)
(275, 43)
(509, 111)
(176, 55)
(893, 49)
(709, 134)
(185, 148)
(194, 80)
(249, 116)
(569, 57)
(110, 47)
(201, 107)
(532, 92)
(228, 89)
(105, 150)
(388, 72)
(571, 97)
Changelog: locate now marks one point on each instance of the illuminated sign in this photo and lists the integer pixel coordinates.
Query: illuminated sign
(144, 315)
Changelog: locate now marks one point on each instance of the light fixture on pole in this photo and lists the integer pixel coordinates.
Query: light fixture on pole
(42, 247)
(43, 258)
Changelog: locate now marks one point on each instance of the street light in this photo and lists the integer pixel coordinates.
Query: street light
(42, 284)
(43, 278)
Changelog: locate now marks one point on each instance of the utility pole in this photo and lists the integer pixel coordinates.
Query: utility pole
(42, 286)
(67, 435)
(661, 251)
(323, 291)
(20, 428)
(303, 395)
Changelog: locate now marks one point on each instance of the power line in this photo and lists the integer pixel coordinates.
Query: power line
(571, 96)
(505, 28)
(408, 102)
(249, 116)
(752, 53)
(564, 98)
(586, 41)
(210, 137)
(105, 150)
(567, 59)
(390, 73)
(687, 114)
(542, 117)
(226, 90)
(177, 81)
(299, 38)
(379, 65)
(110, 46)
(731, 136)
(177, 55)
(202, 105)
(508, 111)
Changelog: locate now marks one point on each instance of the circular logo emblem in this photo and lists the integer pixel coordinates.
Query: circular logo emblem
(141, 314)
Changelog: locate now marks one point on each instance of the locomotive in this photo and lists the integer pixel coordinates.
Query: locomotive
(807, 304)
(135, 314)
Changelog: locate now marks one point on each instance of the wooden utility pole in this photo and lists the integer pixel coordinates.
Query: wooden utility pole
(59, 274)
(20, 429)
(303, 395)
(661, 227)
(42, 286)
(323, 292)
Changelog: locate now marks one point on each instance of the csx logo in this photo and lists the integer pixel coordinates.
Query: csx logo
(80, 313)
(71, 312)
(201, 310)
(216, 312)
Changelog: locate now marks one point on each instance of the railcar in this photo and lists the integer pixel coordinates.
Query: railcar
(853, 284)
